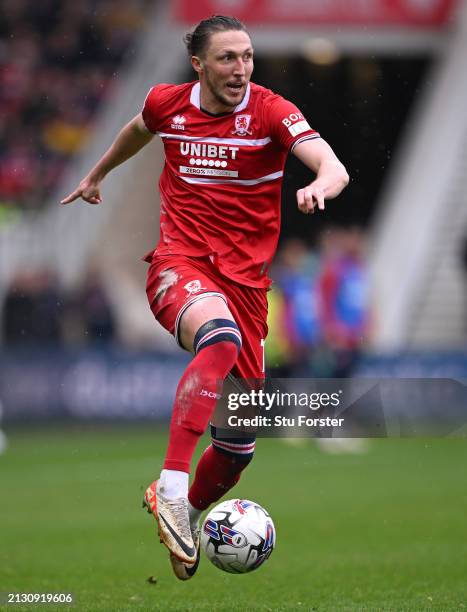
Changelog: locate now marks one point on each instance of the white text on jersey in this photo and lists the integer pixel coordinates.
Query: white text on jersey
(208, 150)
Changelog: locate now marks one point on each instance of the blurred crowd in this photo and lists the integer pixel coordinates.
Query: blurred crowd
(57, 60)
(319, 306)
(38, 313)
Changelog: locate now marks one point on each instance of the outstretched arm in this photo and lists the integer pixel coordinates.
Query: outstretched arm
(133, 137)
(331, 176)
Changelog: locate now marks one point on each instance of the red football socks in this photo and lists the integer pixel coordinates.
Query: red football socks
(216, 473)
(195, 401)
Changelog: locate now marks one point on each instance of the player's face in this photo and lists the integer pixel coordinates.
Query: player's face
(225, 70)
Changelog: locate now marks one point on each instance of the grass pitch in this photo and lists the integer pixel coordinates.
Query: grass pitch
(382, 531)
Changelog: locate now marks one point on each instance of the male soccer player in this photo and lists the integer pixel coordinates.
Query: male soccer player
(226, 141)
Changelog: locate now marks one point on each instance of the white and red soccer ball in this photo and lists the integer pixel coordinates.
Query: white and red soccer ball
(238, 536)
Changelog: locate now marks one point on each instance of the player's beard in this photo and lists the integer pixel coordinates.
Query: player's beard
(218, 94)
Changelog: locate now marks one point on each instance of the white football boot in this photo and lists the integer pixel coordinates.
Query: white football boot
(185, 571)
(173, 523)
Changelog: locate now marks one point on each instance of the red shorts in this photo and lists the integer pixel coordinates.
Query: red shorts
(175, 282)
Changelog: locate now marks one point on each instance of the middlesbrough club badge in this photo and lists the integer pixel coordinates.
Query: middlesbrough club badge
(242, 123)
(193, 287)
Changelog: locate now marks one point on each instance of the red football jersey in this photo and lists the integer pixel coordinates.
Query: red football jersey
(221, 184)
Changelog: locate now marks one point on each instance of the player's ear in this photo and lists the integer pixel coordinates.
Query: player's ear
(197, 63)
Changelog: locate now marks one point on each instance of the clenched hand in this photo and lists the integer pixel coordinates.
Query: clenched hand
(309, 197)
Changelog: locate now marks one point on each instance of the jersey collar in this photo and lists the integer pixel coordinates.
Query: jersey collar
(195, 98)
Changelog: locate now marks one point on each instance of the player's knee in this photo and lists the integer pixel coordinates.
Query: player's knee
(222, 332)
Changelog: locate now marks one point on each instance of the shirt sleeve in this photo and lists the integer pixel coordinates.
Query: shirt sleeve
(150, 111)
(288, 125)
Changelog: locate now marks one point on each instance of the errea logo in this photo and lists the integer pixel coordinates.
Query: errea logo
(177, 122)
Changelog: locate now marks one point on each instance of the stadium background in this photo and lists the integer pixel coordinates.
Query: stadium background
(86, 377)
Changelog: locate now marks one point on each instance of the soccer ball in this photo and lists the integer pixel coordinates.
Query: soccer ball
(238, 536)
